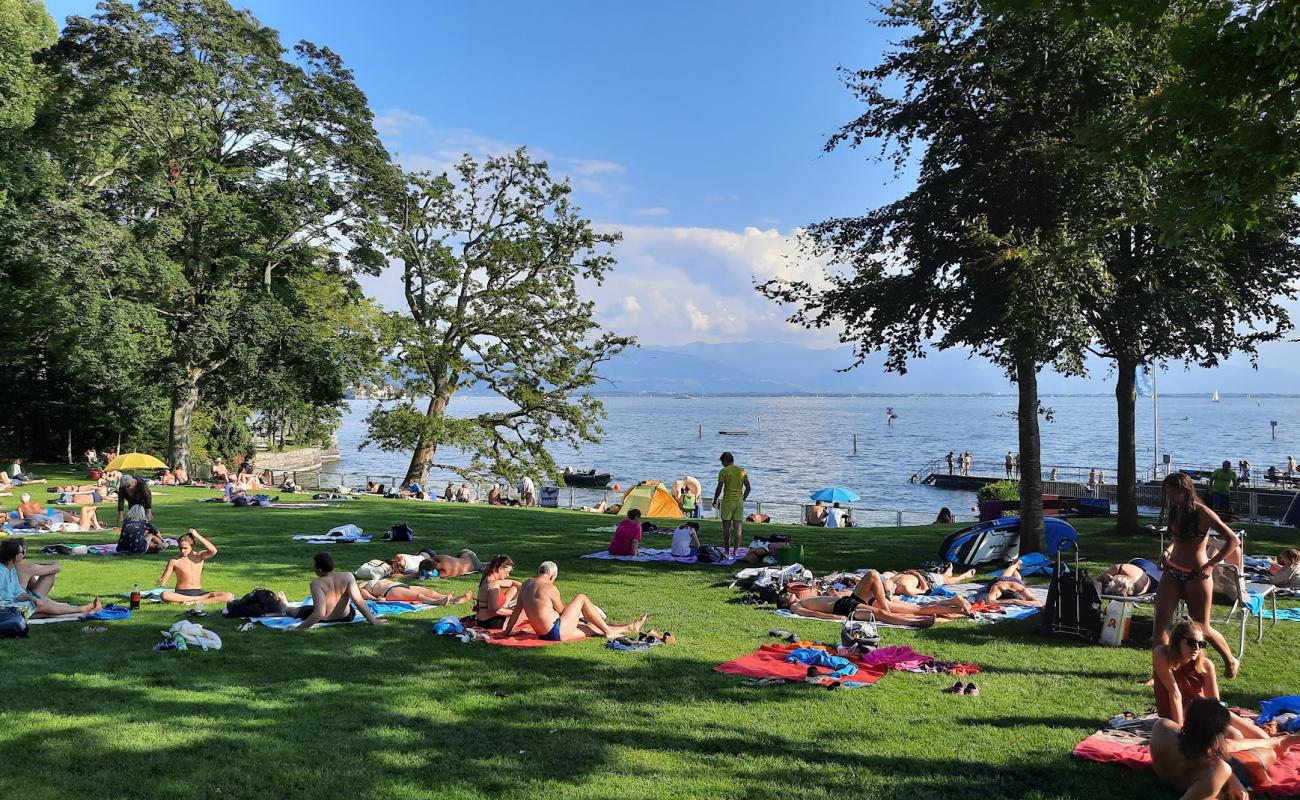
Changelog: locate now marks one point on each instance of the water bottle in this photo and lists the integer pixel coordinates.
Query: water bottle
(135, 597)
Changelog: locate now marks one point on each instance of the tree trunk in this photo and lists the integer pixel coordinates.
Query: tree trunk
(427, 448)
(1032, 539)
(185, 399)
(1126, 466)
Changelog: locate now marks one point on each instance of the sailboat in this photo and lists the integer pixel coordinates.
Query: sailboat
(1214, 398)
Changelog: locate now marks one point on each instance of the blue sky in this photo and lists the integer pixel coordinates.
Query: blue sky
(694, 128)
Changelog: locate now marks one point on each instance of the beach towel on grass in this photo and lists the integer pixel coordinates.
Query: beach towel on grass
(769, 661)
(524, 637)
(111, 612)
(1130, 750)
(661, 554)
(321, 539)
(378, 608)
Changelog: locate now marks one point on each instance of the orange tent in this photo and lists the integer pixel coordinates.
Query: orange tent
(652, 499)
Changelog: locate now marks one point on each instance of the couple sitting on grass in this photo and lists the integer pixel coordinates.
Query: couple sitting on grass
(537, 601)
(871, 598)
(25, 586)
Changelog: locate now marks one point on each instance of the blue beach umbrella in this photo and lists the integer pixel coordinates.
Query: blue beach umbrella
(835, 494)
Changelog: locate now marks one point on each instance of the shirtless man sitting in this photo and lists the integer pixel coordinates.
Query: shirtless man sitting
(916, 582)
(869, 599)
(554, 621)
(1199, 760)
(445, 566)
(335, 597)
(188, 567)
(1010, 588)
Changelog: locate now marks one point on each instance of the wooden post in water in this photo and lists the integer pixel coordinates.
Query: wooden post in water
(855, 444)
(701, 433)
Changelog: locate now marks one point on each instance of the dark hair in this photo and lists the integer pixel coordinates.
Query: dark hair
(185, 536)
(496, 564)
(634, 514)
(324, 563)
(10, 548)
(1180, 518)
(727, 457)
(428, 565)
(1204, 724)
(695, 526)
(945, 515)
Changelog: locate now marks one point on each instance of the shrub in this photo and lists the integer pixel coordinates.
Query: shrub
(1002, 490)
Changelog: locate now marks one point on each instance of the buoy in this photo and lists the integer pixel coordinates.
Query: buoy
(616, 488)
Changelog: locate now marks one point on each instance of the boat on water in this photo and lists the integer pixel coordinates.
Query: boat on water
(587, 479)
(733, 433)
(1214, 398)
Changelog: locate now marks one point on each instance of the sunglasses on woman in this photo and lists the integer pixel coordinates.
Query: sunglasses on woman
(1197, 644)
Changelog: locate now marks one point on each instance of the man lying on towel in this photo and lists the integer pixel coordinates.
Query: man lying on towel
(429, 564)
(1200, 761)
(1010, 588)
(551, 619)
(916, 582)
(869, 599)
(335, 597)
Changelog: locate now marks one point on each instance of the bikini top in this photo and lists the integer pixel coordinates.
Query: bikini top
(1181, 529)
(501, 600)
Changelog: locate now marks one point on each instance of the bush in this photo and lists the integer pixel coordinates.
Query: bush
(1002, 490)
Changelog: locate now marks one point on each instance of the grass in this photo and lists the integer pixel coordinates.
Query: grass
(396, 712)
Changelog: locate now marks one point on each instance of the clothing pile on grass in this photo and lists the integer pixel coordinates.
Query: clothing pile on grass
(186, 635)
(1127, 737)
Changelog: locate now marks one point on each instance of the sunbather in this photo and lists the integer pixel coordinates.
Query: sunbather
(497, 594)
(1138, 577)
(38, 576)
(335, 597)
(552, 619)
(1009, 588)
(869, 599)
(15, 592)
(1199, 759)
(188, 567)
(1288, 572)
(139, 535)
(914, 582)
(444, 566)
(1188, 569)
(416, 566)
(181, 475)
(392, 591)
(1182, 674)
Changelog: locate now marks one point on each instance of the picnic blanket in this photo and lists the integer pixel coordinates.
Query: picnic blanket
(662, 554)
(378, 608)
(524, 637)
(297, 505)
(984, 613)
(769, 661)
(321, 538)
(1130, 749)
(110, 612)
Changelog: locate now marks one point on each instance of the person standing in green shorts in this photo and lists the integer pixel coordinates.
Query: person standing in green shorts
(733, 487)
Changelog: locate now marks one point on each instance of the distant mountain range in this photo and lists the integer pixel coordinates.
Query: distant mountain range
(775, 368)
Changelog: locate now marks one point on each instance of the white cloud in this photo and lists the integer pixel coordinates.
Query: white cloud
(651, 211)
(631, 306)
(587, 167)
(398, 121)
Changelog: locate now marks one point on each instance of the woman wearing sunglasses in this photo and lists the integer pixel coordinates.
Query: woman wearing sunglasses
(1182, 674)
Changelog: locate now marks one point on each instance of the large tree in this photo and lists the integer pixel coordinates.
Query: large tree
(236, 171)
(491, 263)
(984, 252)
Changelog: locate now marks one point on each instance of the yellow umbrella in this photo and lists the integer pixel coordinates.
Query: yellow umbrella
(134, 461)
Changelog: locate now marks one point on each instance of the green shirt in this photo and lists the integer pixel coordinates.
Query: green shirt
(688, 502)
(732, 479)
(1221, 481)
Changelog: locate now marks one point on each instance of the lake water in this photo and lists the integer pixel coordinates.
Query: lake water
(797, 445)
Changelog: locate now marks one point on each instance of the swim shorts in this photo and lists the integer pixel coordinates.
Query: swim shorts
(733, 510)
(554, 633)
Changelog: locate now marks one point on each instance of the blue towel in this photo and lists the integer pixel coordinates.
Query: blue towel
(1285, 614)
(1032, 564)
(939, 591)
(385, 607)
(110, 612)
(448, 626)
(1278, 705)
(820, 658)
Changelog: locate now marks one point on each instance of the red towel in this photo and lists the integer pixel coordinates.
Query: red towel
(769, 662)
(522, 637)
(1283, 778)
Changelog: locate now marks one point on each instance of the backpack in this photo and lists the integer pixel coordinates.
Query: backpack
(710, 554)
(12, 624)
(257, 603)
(401, 532)
(373, 569)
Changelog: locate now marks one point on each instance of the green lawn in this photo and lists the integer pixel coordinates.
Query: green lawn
(396, 712)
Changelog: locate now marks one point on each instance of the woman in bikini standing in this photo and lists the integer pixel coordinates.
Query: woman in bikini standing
(1187, 571)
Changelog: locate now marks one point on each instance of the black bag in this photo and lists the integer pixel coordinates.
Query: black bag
(401, 532)
(257, 603)
(1073, 604)
(12, 624)
(710, 554)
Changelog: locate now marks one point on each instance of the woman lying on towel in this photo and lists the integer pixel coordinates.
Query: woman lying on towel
(1182, 674)
(915, 582)
(394, 592)
(15, 591)
(497, 594)
(1138, 577)
(869, 599)
(463, 563)
(1010, 588)
(1200, 758)
(38, 516)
